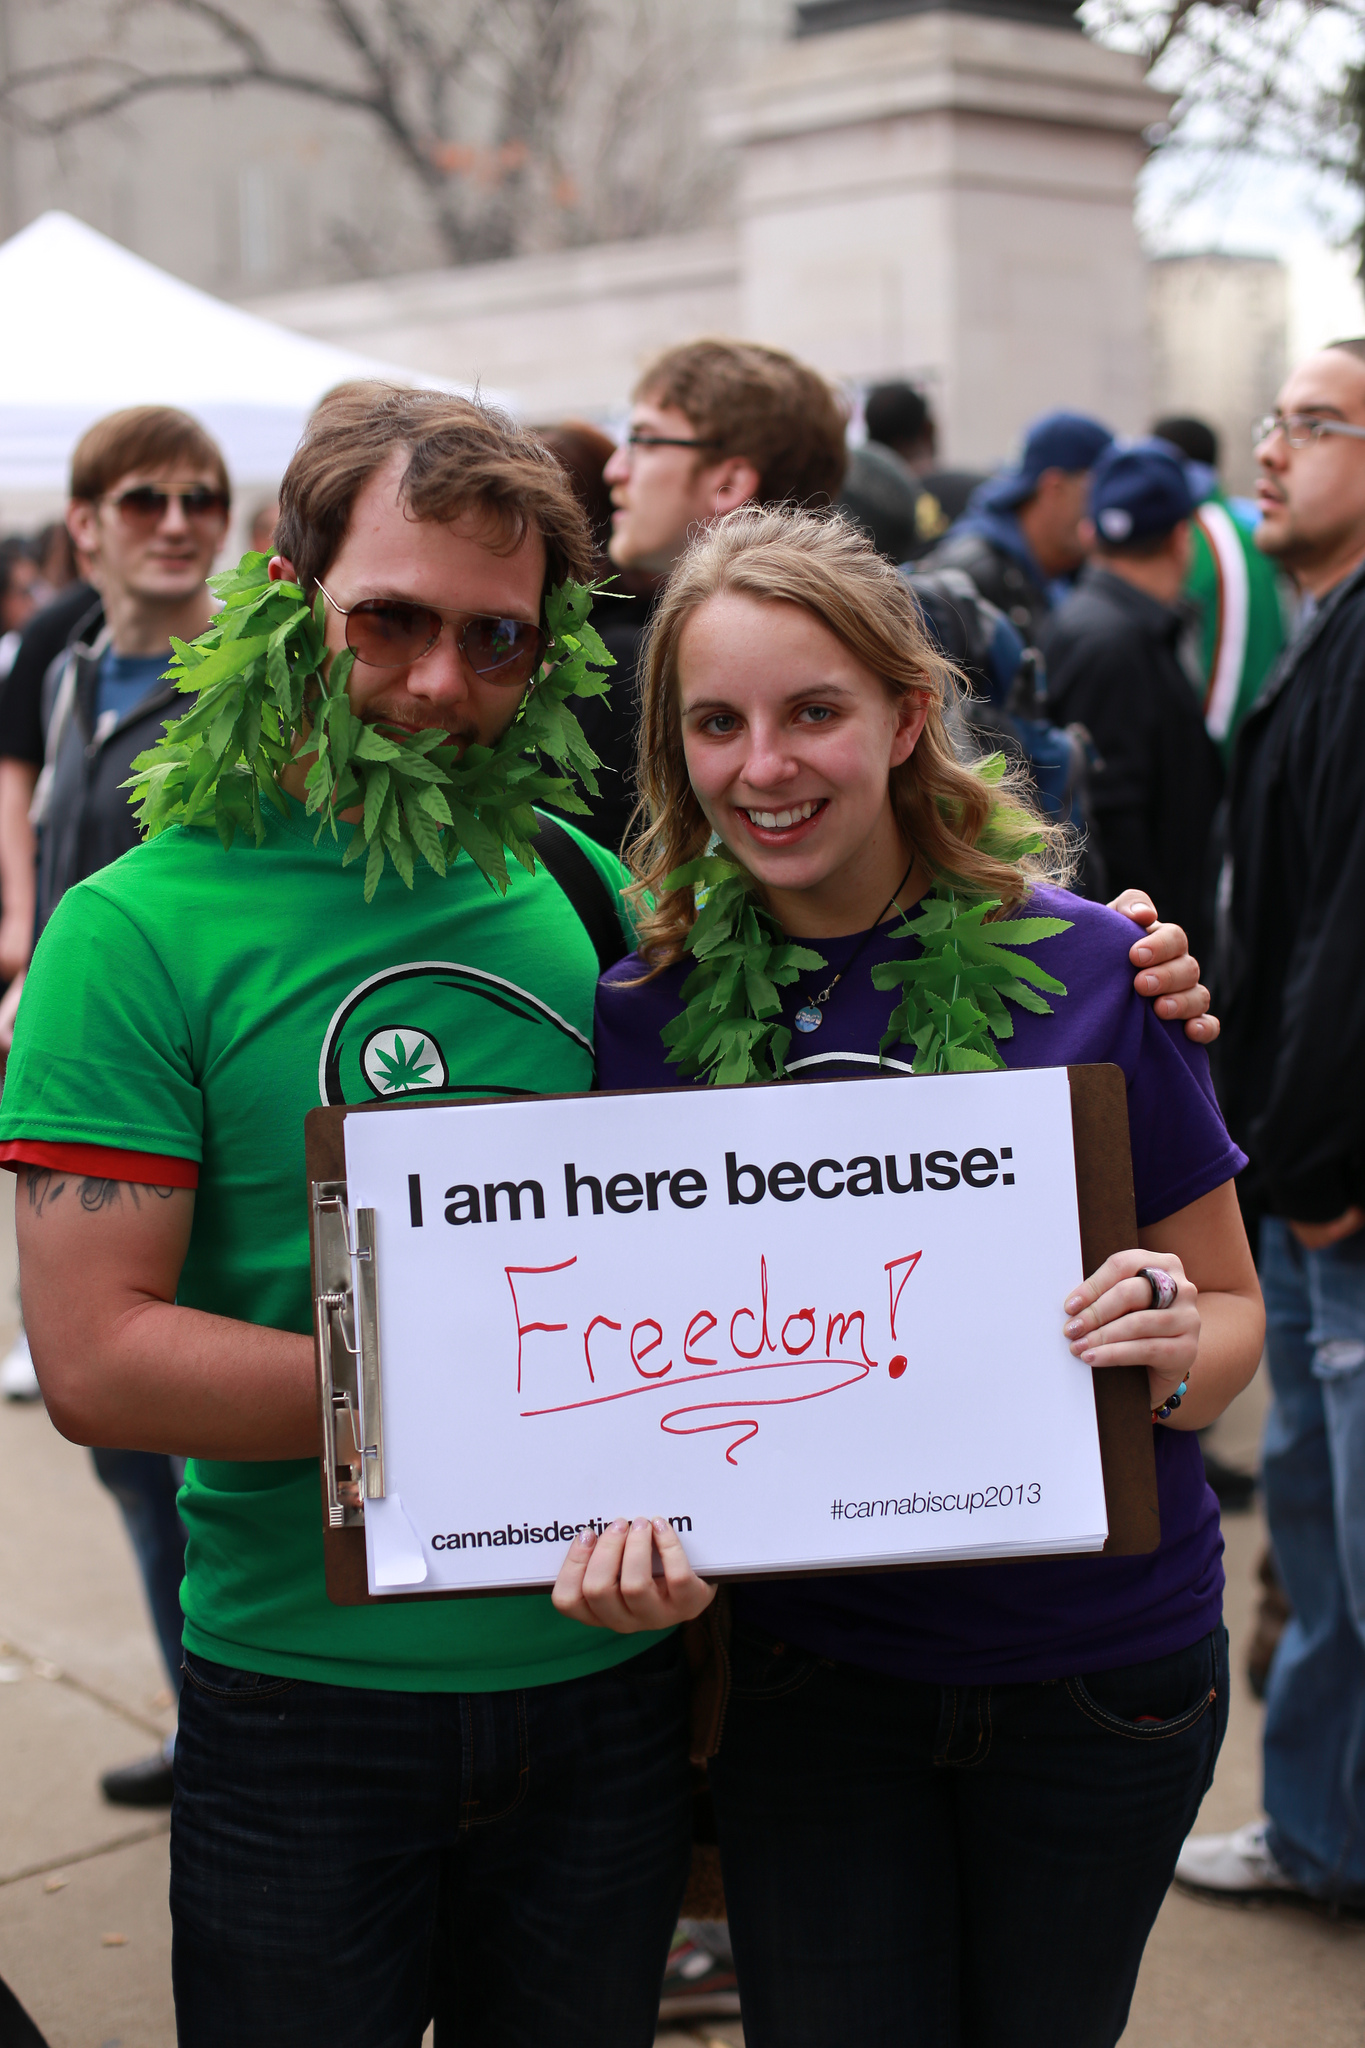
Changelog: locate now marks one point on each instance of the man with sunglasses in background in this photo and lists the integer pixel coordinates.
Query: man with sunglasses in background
(472, 1809)
(1291, 986)
(148, 513)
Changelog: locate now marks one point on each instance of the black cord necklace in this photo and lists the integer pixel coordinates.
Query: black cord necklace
(811, 1015)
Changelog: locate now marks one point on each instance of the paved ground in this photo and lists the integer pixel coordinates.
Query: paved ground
(84, 1933)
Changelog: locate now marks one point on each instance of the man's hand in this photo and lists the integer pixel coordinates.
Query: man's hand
(1316, 1237)
(609, 1581)
(1167, 970)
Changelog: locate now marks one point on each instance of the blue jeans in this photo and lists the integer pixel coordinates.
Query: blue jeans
(145, 1485)
(348, 1864)
(924, 1866)
(1314, 1466)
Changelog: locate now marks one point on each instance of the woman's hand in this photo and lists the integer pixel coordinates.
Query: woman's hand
(1315, 1237)
(1167, 971)
(1111, 1321)
(609, 1581)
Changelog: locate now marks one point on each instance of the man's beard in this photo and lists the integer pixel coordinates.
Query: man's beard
(459, 735)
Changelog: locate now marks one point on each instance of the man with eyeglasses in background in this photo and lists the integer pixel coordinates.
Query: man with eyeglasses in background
(1291, 988)
(148, 513)
(713, 425)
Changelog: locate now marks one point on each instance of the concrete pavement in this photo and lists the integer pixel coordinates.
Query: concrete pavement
(84, 1931)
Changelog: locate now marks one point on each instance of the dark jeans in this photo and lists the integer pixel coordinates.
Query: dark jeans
(923, 1866)
(348, 1864)
(145, 1484)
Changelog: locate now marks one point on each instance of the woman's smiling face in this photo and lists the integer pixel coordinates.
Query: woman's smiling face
(790, 741)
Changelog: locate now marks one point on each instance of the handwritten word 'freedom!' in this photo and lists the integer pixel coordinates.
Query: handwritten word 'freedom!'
(762, 1339)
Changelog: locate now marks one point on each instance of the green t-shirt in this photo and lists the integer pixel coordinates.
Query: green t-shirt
(195, 1003)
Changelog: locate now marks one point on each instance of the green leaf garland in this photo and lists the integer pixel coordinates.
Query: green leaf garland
(725, 1029)
(261, 673)
(953, 992)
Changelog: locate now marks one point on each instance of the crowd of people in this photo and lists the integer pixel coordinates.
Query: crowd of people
(483, 1812)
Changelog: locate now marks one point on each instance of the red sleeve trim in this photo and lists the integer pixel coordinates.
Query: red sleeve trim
(103, 1162)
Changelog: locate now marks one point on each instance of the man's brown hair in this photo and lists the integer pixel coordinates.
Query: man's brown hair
(141, 437)
(462, 457)
(759, 403)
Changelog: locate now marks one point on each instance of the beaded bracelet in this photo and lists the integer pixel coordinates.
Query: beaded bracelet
(1171, 1402)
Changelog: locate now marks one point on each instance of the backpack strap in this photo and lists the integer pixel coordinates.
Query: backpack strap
(587, 891)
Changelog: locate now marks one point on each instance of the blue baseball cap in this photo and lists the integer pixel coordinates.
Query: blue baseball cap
(1139, 492)
(1059, 440)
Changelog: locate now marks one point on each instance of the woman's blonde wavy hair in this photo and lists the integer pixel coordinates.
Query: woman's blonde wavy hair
(986, 836)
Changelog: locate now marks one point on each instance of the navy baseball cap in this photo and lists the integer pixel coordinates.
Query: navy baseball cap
(1059, 440)
(1139, 492)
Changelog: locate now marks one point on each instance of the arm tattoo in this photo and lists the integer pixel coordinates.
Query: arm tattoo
(46, 1187)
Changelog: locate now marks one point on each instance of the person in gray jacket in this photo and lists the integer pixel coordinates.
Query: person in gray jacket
(148, 513)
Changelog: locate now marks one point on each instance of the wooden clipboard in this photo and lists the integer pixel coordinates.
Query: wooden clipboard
(1108, 1220)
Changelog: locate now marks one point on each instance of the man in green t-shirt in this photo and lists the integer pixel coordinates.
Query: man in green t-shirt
(473, 1809)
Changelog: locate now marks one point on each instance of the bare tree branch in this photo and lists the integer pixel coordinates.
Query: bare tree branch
(497, 110)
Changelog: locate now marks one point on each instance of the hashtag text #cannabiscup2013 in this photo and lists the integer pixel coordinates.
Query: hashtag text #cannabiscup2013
(1022, 1493)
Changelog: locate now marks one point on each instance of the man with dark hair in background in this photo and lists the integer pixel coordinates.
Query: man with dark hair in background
(1291, 978)
(894, 488)
(1026, 530)
(1113, 667)
(1233, 585)
(148, 513)
(713, 425)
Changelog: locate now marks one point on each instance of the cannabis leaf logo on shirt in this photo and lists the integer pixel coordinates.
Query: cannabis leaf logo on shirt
(403, 1068)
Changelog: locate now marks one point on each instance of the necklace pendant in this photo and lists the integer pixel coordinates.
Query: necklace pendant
(809, 1017)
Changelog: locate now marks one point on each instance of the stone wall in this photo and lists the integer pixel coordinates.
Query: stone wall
(1220, 346)
(944, 196)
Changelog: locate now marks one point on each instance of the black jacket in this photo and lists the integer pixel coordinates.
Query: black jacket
(998, 575)
(86, 818)
(611, 724)
(1291, 970)
(1113, 668)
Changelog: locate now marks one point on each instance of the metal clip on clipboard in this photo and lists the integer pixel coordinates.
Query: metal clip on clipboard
(346, 1313)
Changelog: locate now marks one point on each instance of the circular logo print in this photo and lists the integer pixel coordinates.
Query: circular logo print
(400, 1060)
(496, 1033)
(1116, 522)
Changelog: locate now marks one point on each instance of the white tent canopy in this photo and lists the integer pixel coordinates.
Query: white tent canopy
(88, 327)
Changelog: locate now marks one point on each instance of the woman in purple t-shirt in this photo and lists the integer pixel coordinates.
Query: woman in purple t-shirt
(949, 1801)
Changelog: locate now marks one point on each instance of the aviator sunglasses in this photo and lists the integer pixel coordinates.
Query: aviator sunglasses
(393, 632)
(145, 505)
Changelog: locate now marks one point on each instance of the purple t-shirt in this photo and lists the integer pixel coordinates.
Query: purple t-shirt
(1053, 1617)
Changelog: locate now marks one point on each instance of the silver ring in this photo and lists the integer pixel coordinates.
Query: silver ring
(1164, 1289)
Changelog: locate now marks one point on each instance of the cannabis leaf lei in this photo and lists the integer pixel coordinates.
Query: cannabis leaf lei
(261, 673)
(731, 996)
(953, 992)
